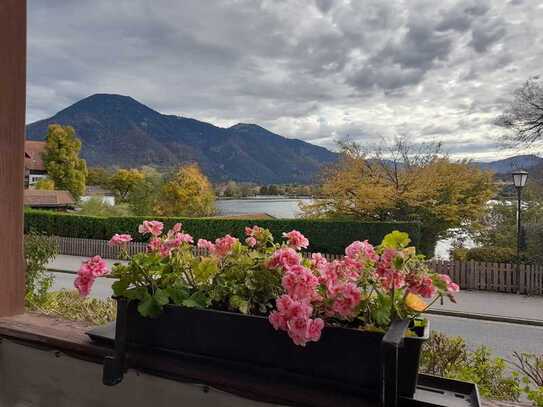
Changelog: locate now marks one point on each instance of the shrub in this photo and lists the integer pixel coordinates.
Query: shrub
(39, 250)
(327, 236)
(492, 254)
(449, 357)
(531, 367)
(69, 305)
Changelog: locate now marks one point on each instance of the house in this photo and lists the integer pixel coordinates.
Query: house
(105, 196)
(34, 165)
(42, 199)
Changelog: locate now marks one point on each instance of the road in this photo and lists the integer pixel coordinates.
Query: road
(502, 338)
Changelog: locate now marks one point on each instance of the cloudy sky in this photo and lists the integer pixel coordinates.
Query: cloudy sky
(319, 70)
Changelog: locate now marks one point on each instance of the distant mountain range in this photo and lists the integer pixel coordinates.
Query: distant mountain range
(119, 131)
(507, 165)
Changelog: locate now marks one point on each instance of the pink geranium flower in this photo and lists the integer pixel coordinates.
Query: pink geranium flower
(88, 272)
(206, 244)
(361, 251)
(300, 283)
(284, 258)
(347, 298)
(296, 240)
(120, 240)
(423, 286)
(95, 267)
(153, 227)
(224, 245)
(251, 241)
(452, 287)
(314, 329)
(83, 283)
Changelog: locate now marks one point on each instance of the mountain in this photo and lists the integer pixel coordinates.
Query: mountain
(118, 130)
(505, 166)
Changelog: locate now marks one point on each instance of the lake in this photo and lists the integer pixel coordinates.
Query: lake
(275, 206)
(279, 207)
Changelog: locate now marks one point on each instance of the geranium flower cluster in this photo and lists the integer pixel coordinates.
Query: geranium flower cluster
(164, 245)
(222, 247)
(317, 290)
(90, 270)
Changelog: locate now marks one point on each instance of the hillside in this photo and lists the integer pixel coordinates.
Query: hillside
(119, 131)
(507, 165)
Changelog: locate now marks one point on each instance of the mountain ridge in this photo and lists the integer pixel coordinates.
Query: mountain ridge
(118, 130)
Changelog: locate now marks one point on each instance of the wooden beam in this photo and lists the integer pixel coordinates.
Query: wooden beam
(12, 137)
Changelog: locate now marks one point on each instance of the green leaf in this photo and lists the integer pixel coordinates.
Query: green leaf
(177, 294)
(395, 240)
(136, 293)
(119, 288)
(240, 304)
(196, 300)
(161, 297)
(149, 307)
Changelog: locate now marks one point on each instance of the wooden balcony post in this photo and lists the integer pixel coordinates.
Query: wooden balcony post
(12, 136)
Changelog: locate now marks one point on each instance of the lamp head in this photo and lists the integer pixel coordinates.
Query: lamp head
(519, 178)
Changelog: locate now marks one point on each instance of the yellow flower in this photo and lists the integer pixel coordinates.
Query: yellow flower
(415, 302)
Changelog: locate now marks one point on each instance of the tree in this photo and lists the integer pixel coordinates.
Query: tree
(499, 226)
(45, 184)
(404, 182)
(524, 115)
(188, 193)
(98, 176)
(62, 162)
(232, 190)
(125, 181)
(96, 207)
(143, 198)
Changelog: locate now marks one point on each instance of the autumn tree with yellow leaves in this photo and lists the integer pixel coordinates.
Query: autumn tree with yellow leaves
(404, 182)
(187, 193)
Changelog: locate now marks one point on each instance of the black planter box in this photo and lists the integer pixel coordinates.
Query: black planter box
(348, 357)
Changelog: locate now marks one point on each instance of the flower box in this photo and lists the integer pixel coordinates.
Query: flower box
(345, 356)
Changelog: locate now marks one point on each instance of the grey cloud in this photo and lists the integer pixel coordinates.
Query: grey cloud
(487, 33)
(461, 16)
(316, 70)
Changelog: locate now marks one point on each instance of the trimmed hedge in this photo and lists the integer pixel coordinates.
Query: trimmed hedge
(327, 236)
(492, 254)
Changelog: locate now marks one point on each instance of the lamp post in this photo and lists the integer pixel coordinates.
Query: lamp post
(519, 180)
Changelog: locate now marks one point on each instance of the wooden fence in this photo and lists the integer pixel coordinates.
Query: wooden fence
(469, 275)
(501, 277)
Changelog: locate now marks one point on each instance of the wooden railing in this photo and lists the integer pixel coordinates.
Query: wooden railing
(471, 275)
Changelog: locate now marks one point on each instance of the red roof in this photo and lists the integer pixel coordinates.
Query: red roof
(48, 199)
(34, 155)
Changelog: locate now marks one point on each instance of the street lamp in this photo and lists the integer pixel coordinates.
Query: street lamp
(519, 180)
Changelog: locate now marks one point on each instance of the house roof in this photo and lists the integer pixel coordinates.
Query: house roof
(34, 155)
(48, 199)
(94, 190)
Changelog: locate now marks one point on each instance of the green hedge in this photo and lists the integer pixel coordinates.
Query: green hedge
(325, 236)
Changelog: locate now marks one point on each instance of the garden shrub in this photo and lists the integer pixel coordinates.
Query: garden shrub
(531, 368)
(327, 236)
(38, 251)
(449, 357)
(492, 254)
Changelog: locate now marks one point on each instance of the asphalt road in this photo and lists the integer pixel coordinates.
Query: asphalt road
(502, 338)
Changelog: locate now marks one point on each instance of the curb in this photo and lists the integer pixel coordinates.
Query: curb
(61, 271)
(486, 317)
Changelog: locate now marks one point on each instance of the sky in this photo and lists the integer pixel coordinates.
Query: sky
(318, 70)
